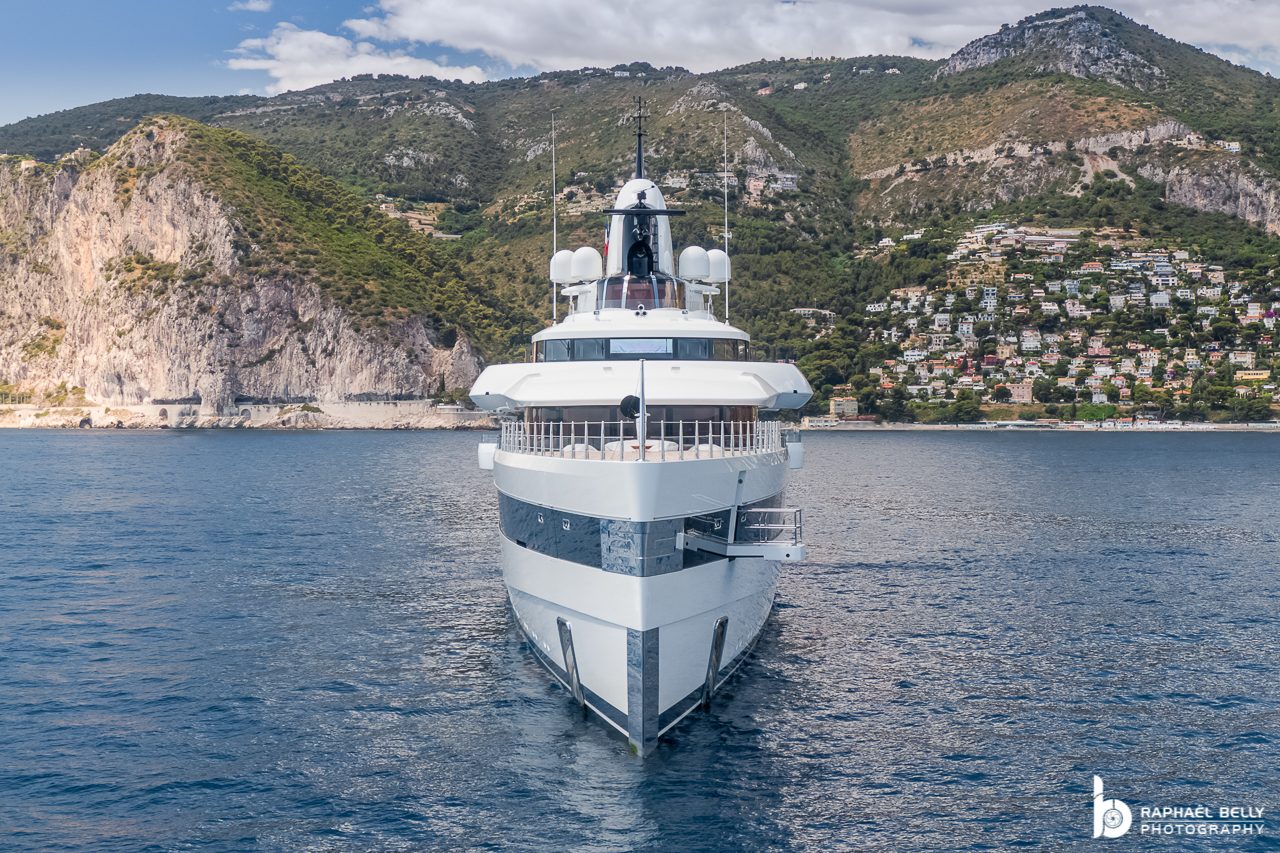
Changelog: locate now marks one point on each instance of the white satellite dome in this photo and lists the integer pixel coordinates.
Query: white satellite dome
(695, 264)
(720, 269)
(562, 267)
(587, 265)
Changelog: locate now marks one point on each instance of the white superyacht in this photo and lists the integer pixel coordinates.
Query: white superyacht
(640, 494)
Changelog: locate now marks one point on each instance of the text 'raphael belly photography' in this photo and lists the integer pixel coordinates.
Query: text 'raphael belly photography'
(814, 425)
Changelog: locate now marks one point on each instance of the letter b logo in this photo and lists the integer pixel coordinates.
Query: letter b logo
(1111, 818)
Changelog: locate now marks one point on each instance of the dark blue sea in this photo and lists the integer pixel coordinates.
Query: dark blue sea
(299, 641)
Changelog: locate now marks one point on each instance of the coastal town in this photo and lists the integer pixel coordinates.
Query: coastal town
(1065, 324)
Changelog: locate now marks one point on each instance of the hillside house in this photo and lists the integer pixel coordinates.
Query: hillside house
(815, 316)
(843, 407)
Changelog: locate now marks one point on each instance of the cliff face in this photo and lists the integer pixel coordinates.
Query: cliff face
(1222, 185)
(124, 277)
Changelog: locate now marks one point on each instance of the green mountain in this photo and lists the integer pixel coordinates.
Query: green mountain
(1074, 116)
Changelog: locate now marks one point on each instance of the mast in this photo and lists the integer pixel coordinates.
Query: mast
(726, 209)
(639, 117)
(555, 225)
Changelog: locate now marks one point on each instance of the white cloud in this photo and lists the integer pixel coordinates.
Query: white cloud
(298, 59)
(250, 6)
(713, 34)
(702, 36)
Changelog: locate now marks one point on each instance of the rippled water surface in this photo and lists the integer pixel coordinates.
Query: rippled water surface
(299, 641)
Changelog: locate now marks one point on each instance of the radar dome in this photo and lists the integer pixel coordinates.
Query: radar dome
(695, 264)
(719, 262)
(562, 267)
(587, 264)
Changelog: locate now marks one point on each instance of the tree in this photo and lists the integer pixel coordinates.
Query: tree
(1002, 394)
(1044, 390)
(1250, 409)
(965, 410)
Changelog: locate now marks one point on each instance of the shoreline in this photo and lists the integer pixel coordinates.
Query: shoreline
(380, 415)
(294, 419)
(1068, 426)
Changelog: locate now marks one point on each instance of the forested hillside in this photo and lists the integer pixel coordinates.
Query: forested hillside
(1073, 116)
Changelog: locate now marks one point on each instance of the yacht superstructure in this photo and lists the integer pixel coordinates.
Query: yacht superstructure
(640, 493)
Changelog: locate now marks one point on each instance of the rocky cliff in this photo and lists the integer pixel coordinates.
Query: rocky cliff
(1064, 42)
(130, 279)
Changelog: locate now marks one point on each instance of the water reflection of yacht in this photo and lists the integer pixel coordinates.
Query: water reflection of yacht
(640, 495)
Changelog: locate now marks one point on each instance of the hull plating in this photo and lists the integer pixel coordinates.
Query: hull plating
(642, 644)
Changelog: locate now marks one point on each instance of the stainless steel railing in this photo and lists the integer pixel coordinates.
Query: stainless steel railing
(770, 524)
(617, 440)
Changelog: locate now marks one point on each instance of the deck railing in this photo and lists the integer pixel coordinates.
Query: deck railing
(617, 440)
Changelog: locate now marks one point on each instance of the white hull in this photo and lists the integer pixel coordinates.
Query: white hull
(641, 677)
(603, 547)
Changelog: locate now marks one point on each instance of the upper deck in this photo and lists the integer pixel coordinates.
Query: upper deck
(640, 323)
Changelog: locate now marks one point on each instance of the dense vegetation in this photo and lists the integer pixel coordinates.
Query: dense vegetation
(97, 126)
(484, 149)
(291, 220)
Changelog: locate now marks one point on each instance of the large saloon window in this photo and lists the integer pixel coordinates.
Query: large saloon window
(631, 349)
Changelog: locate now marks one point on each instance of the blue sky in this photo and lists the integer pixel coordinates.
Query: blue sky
(64, 53)
(110, 49)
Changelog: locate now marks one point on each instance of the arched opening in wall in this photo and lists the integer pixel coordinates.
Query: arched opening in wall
(244, 413)
(85, 423)
(164, 414)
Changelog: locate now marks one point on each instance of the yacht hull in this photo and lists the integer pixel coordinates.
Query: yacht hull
(623, 572)
(641, 677)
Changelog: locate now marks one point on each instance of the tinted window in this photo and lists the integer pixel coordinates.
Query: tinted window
(635, 291)
(589, 349)
(623, 349)
(553, 350)
(693, 349)
(640, 348)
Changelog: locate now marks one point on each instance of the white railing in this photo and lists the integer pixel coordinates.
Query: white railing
(668, 441)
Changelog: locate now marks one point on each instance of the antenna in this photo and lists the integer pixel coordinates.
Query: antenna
(555, 223)
(726, 209)
(639, 118)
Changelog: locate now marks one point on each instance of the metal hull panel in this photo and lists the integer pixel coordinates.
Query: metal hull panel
(642, 644)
